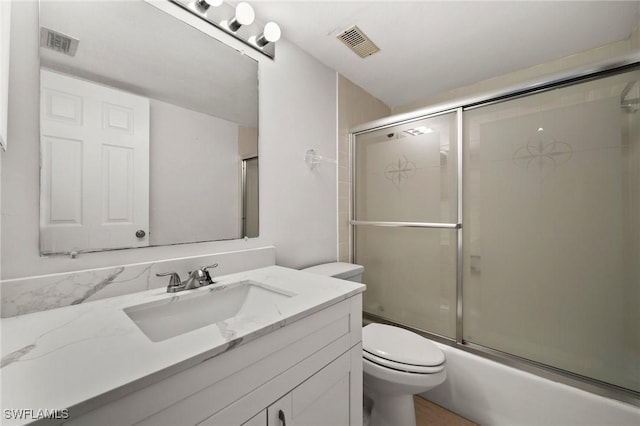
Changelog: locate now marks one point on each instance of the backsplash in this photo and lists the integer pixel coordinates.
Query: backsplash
(39, 293)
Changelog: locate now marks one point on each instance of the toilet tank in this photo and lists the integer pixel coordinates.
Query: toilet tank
(341, 270)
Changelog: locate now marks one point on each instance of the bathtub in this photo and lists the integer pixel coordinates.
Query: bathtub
(490, 393)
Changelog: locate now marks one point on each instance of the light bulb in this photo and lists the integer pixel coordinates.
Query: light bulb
(244, 16)
(270, 34)
(244, 13)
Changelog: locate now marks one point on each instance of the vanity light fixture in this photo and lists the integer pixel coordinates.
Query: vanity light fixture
(241, 26)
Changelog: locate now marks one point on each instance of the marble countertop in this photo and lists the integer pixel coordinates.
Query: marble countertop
(76, 356)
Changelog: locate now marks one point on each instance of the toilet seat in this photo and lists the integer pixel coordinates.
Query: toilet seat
(407, 368)
(401, 349)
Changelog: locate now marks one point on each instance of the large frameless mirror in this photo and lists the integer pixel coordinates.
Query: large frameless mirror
(145, 123)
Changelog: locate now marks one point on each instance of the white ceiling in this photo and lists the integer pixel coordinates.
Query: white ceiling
(429, 47)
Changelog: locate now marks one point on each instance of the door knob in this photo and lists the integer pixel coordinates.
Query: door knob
(140, 233)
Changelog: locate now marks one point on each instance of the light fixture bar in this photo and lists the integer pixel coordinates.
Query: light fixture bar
(240, 26)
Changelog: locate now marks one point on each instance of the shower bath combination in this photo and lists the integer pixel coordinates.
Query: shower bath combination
(511, 227)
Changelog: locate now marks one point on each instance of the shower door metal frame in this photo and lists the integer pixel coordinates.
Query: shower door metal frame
(615, 66)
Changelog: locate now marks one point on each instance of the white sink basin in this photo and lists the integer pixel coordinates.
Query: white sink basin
(171, 317)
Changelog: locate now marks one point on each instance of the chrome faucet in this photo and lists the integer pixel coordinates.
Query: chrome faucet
(198, 278)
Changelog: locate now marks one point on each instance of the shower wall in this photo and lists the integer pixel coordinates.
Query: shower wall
(550, 225)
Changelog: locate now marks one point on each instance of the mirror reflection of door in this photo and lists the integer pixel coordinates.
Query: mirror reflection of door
(250, 194)
(95, 166)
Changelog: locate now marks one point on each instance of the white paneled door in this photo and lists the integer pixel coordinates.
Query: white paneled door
(94, 166)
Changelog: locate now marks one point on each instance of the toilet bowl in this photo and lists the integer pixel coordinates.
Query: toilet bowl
(397, 363)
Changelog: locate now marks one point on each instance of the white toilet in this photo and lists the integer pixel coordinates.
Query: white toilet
(397, 363)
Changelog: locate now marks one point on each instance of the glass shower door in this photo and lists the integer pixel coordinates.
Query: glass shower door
(405, 221)
(552, 228)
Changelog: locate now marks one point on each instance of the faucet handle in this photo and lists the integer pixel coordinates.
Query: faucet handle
(207, 274)
(174, 281)
(204, 268)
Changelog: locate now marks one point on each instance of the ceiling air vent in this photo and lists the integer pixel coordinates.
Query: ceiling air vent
(357, 41)
(57, 41)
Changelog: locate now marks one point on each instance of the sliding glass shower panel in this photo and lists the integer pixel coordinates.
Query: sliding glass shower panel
(405, 195)
(551, 248)
(410, 275)
(407, 173)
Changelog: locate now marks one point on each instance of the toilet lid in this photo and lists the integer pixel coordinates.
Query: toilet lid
(400, 346)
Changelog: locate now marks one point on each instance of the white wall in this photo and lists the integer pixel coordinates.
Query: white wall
(297, 206)
(195, 198)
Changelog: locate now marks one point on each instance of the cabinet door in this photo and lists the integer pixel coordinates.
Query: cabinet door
(322, 400)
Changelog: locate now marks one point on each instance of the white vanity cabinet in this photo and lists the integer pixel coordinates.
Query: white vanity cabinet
(309, 370)
(324, 399)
